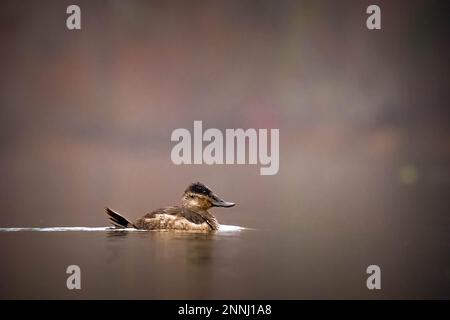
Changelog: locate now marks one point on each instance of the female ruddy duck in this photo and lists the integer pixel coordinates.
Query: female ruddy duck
(192, 215)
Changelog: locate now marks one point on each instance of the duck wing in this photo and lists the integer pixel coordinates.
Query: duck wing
(173, 211)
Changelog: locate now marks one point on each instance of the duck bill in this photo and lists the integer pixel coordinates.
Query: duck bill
(217, 202)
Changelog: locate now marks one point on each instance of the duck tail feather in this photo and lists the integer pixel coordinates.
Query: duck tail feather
(117, 220)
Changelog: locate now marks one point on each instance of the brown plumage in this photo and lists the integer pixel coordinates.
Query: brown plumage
(192, 215)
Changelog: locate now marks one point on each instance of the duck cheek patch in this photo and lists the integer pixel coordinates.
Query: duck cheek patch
(205, 203)
(199, 202)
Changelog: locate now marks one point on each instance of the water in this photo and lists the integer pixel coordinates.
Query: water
(223, 228)
(234, 263)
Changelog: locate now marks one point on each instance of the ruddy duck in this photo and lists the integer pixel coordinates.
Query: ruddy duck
(192, 215)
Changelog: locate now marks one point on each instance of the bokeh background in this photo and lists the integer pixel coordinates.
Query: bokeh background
(86, 119)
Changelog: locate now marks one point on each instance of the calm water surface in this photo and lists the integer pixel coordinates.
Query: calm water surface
(234, 263)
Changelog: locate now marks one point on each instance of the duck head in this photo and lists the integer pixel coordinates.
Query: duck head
(198, 195)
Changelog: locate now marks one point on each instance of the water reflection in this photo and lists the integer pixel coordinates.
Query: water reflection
(194, 248)
(116, 234)
(198, 249)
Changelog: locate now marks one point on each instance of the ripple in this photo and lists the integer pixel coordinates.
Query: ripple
(223, 228)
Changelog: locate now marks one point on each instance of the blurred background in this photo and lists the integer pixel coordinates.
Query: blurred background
(86, 119)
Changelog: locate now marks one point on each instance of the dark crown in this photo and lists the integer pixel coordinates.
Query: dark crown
(198, 188)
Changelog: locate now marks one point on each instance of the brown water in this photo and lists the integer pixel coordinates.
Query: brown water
(232, 264)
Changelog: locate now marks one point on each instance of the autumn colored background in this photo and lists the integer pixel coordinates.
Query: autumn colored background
(86, 118)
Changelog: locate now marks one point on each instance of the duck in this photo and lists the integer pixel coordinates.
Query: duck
(192, 215)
